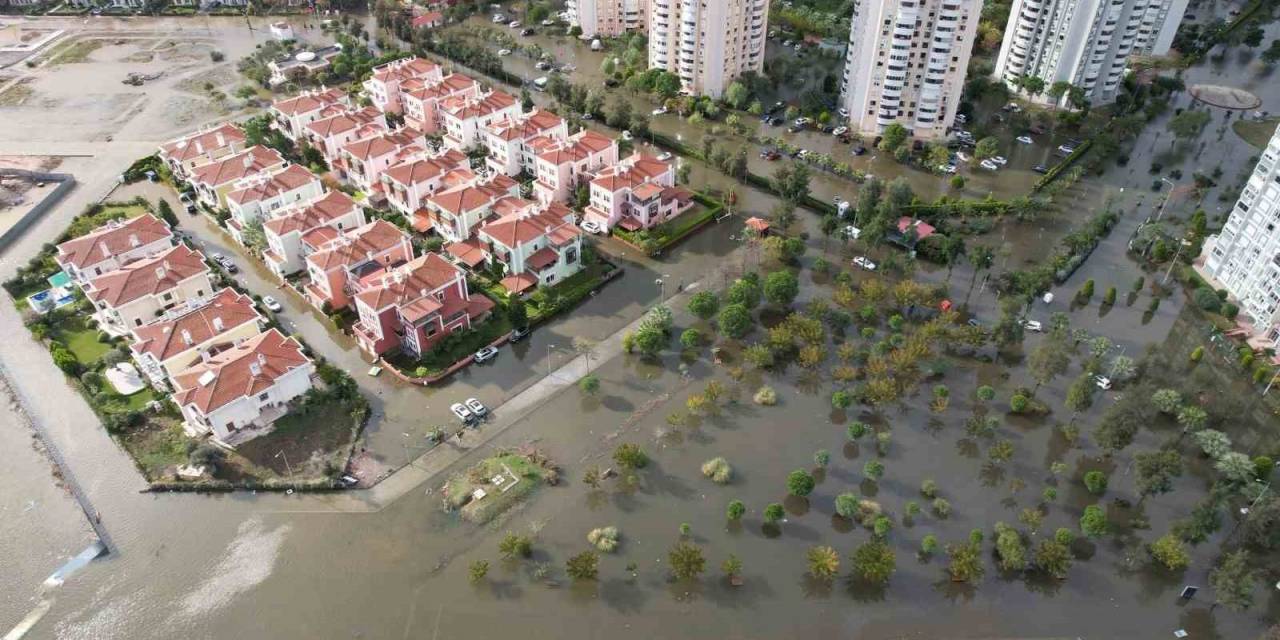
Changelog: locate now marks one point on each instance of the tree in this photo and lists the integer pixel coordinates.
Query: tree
(1233, 581)
(732, 567)
(591, 477)
(690, 339)
(1272, 54)
(1080, 395)
(1167, 401)
(800, 483)
(166, 212)
(584, 566)
(846, 505)
(986, 148)
(517, 313)
(745, 292)
(1094, 521)
(630, 456)
(1053, 557)
(514, 546)
(1096, 482)
(737, 95)
(735, 321)
(735, 510)
(781, 288)
(1010, 549)
(1213, 443)
(1122, 368)
(894, 136)
(774, 512)
(589, 384)
(478, 570)
(1033, 85)
(1157, 471)
(1170, 552)
(966, 562)
(1188, 124)
(873, 470)
(1236, 468)
(824, 562)
(253, 236)
(1049, 360)
(874, 562)
(686, 561)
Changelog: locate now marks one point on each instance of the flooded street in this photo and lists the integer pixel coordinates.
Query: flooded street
(350, 565)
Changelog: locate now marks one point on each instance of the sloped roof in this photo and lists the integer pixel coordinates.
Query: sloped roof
(404, 69)
(112, 238)
(483, 106)
(515, 229)
(290, 178)
(447, 86)
(316, 213)
(410, 282)
(201, 142)
(309, 101)
(225, 311)
(242, 371)
(421, 170)
(255, 159)
(343, 122)
(149, 276)
(356, 245)
(383, 144)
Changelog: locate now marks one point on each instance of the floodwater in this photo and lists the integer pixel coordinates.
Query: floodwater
(255, 565)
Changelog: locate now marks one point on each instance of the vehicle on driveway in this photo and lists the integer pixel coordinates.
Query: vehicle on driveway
(659, 111)
(1040, 169)
(947, 168)
(272, 304)
(1103, 382)
(1000, 160)
(504, 52)
(464, 414)
(839, 131)
(865, 263)
(1032, 325)
(519, 333)
(989, 165)
(851, 232)
(770, 155)
(225, 263)
(664, 156)
(1025, 140)
(476, 408)
(593, 227)
(486, 354)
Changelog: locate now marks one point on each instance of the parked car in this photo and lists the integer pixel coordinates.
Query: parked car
(1025, 140)
(989, 165)
(964, 157)
(802, 121)
(776, 121)
(477, 408)
(514, 24)
(851, 232)
(184, 197)
(664, 156)
(588, 116)
(1000, 160)
(1040, 169)
(498, 18)
(519, 333)
(527, 31)
(858, 150)
(844, 113)
(1032, 325)
(464, 414)
(1103, 382)
(839, 131)
(1066, 149)
(191, 208)
(626, 135)
(486, 354)
(961, 118)
(593, 227)
(865, 263)
(548, 22)
(225, 263)
(504, 52)
(272, 304)
(947, 168)
(659, 111)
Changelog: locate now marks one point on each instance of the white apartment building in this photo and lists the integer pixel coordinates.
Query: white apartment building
(707, 44)
(1244, 257)
(906, 64)
(607, 18)
(1086, 43)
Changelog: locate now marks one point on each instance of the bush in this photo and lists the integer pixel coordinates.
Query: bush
(766, 396)
(1094, 521)
(941, 507)
(690, 339)
(735, 510)
(1170, 552)
(1096, 482)
(846, 505)
(857, 430)
(718, 469)
(735, 321)
(604, 539)
(589, 384)
(800, 483)
(1019, 403)
(1207, 299)
(630, 456)
(929, 489)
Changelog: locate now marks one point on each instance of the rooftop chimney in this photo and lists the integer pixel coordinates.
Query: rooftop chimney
(186, 337)
(217, 323)
(134, 241)
(255, 369)
(248, 160)
(106, 251)
(160, 272)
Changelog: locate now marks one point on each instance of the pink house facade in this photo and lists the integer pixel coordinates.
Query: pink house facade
(415, 305)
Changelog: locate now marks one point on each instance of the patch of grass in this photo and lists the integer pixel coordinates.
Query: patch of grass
(81, 339)
(78, 51)
(672, 231)
(460, 487)
(1256, 133)
(157, 446)
(16, 94)
(548, 301)
(139, 400)
(313, 434)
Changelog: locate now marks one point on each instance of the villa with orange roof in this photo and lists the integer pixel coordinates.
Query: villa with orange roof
(112, 245)
(408, 185)
(416, 305)
(535, 248)
(636, 194)
(261, 196)
(292, 115)
(237, 393)
(293, 233)
(331, 134)
(339, 267)
(456, 212)
(202, 147)
(363, 161)
(138, 292)
(422, 105)
(560, 169)
(465, 118)
(513, 144)
(174, 342)
(383, 87)
(215, 180)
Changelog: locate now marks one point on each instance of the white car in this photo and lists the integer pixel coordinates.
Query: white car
(844, 113)
(963, 157)
(1066, 148)
(1025, 140)
(514, 24)
(498, 18)
(961, 118)
(548, 22)
(1000, 160)
(626, 135)
(478, 409)
(1103, 382)
(593, 227)
(659, 111)
(865, 263)
(1032, 325)
(504, 52)
(802, 153)
(664, 156)
(851, 232)
(800, 122)
(839, 131)
(486, 354)
(947, 168)
(989, 165)
(272, 304)
(464, 414)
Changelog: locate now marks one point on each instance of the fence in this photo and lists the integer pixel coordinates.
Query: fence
(65, 182)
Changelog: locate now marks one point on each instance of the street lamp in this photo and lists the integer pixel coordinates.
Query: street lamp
(662, 290)
(1167, 196)
(549, 348)
(1183, 243)
(280, 454)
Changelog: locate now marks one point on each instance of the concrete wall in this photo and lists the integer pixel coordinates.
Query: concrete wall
(65, 182)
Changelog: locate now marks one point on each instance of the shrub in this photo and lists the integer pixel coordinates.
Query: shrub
(774, 512)
(1170, 552)
(822, 458)
(941, 507)
(718, 469)
(841, 399)
(1018, 403)
(873, 470)
(589, 384)
(1109, 298)
(929, 489)
(690, 339)
(604, 539)
(630, 456)
(1096, 482)
(929, 545)
(800, 483)
(704, 304)
(846, 505)
(735, 321)
(735, 510)
(857, 430)
(1207, 299)
(1094, 521)
(765, 396)
(514, 546)
(584, 566)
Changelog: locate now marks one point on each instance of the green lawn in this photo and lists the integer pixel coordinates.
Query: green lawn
(308, 436)
(139, 400)
(1255, 133)
(668, 233)
(82, 340)
(567, 292)
(157, 446)
(460, 487)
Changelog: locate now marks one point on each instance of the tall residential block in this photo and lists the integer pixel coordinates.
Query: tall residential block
(1086, 43)
(707, 43)
(906, 64)
(1244, 257)
(608, 18)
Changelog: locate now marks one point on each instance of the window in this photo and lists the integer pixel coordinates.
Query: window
(263, 397)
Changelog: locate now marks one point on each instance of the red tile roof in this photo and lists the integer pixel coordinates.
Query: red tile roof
(404, 69)
(410, 282)
(309, 101)
(255, 159)
(423, 169)
(317, 213)
(269, 185)
(242, 371)
(469, 252)
(202, 142)
(923, 229)
(428, 19)
(483, 106)
(525, 127)
(149, 276)
(225, 311)
(111, 239)
(519, 283)
(466, 198)
(386, 143)
(343, 122)
(451, 84)
(542, 258)
(355, 246)
(517, 229)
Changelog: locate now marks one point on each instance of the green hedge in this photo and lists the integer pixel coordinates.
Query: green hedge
(1066, 163)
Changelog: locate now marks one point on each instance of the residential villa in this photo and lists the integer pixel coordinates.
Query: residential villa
(237, 393)
(383, 87)
(215, 180)
(202, 147)
(415, 305)
(465, 118)
(408, 185)
(636, 194)
(112, 245)
(300, 65)
(560, 169)
(331, 134)
(338, 267)
(310, 224)
(428, 20)
(511, 143)
(292, 115)
(363, 161)
(169, 345)
(259, 197)
(138, 292)
(456, 212)
(533, 248)
(422, 105)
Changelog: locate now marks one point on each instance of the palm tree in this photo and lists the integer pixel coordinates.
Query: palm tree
(824, 562)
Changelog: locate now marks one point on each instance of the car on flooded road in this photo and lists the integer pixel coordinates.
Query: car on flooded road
(462, 412)
(864, 262)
